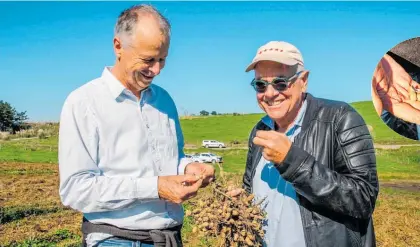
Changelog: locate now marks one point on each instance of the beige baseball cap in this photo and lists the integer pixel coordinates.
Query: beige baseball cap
(278, 51)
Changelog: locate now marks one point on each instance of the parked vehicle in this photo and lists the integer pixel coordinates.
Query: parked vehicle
(218, 159)
(194, 157)
(205, 158)
(210, 158)
(212, 144)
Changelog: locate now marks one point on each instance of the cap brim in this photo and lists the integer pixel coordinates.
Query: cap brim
(281, 60)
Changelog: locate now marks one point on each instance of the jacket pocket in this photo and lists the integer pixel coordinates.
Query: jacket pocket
(332, 234)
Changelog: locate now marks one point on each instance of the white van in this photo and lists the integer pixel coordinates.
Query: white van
(212, 144)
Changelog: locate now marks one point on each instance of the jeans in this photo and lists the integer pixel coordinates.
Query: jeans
(117, 242)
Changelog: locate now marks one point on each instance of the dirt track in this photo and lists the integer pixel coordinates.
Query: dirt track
(404, 186)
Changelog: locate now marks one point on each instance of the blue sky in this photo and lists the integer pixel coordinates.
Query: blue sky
(49, 49)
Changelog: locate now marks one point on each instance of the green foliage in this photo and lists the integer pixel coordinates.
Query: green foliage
(204, 113)
(10, 119)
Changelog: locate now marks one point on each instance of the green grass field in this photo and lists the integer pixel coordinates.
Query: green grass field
(31, 213)
(225, 128)
(228, 128)
(382, 134)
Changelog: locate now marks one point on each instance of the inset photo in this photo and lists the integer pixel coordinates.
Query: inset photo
(396, 88)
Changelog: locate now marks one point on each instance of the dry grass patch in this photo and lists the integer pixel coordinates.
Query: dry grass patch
(397, 217)
(40, 227)
(39, 215)
(18, 190)
(16, 168)
(398, 177)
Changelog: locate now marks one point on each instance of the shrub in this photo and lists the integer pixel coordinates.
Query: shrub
(4, 136)
(42, 134)
(25, 133)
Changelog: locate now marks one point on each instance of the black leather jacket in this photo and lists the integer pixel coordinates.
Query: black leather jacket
(400, 126)
(332, 166)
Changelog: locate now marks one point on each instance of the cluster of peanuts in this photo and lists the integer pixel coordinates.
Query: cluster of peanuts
(235, 221)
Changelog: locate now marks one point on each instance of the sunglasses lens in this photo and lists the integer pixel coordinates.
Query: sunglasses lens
(260, 86)
(280, 84)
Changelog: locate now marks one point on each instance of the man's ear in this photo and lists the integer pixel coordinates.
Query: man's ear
(304, 80)
(118, 49)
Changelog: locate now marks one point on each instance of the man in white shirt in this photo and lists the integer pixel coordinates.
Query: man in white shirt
(121, 156)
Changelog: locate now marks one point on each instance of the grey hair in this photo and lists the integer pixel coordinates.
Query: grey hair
(129, 18)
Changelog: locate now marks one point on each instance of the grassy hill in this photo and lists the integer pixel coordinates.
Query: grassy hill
(228, 128)
(225, 128)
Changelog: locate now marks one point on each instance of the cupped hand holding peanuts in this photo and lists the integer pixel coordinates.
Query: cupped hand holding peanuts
(275, 145)
(395, 91)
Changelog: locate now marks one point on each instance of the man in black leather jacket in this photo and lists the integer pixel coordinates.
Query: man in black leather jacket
(312, 159)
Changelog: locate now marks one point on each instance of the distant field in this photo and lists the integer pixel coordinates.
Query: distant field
(225, 128)
(400, 164)
(228, 128)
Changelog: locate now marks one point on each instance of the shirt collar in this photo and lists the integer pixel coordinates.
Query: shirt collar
(113, 83)
(298, 121)
(115, 86)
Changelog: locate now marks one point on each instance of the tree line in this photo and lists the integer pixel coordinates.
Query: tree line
(214, 113)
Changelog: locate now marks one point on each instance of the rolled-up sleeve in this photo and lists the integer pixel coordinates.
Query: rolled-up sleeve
(182, 164)
(82, 185)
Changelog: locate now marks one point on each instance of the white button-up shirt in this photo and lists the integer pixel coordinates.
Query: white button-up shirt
(113, 147)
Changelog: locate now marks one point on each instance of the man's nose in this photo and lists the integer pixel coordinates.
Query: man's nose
(271, 92)
(155, 68)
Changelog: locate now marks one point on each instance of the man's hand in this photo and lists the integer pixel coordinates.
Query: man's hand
(179, 188)
(396, 77)
(205, 171)
(392, 90)
(276, 145)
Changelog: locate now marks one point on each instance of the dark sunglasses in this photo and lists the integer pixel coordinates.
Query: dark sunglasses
(278, 83)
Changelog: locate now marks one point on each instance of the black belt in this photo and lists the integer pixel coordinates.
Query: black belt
(170, 237)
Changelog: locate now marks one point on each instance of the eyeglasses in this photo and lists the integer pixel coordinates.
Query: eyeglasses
(278, 83)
